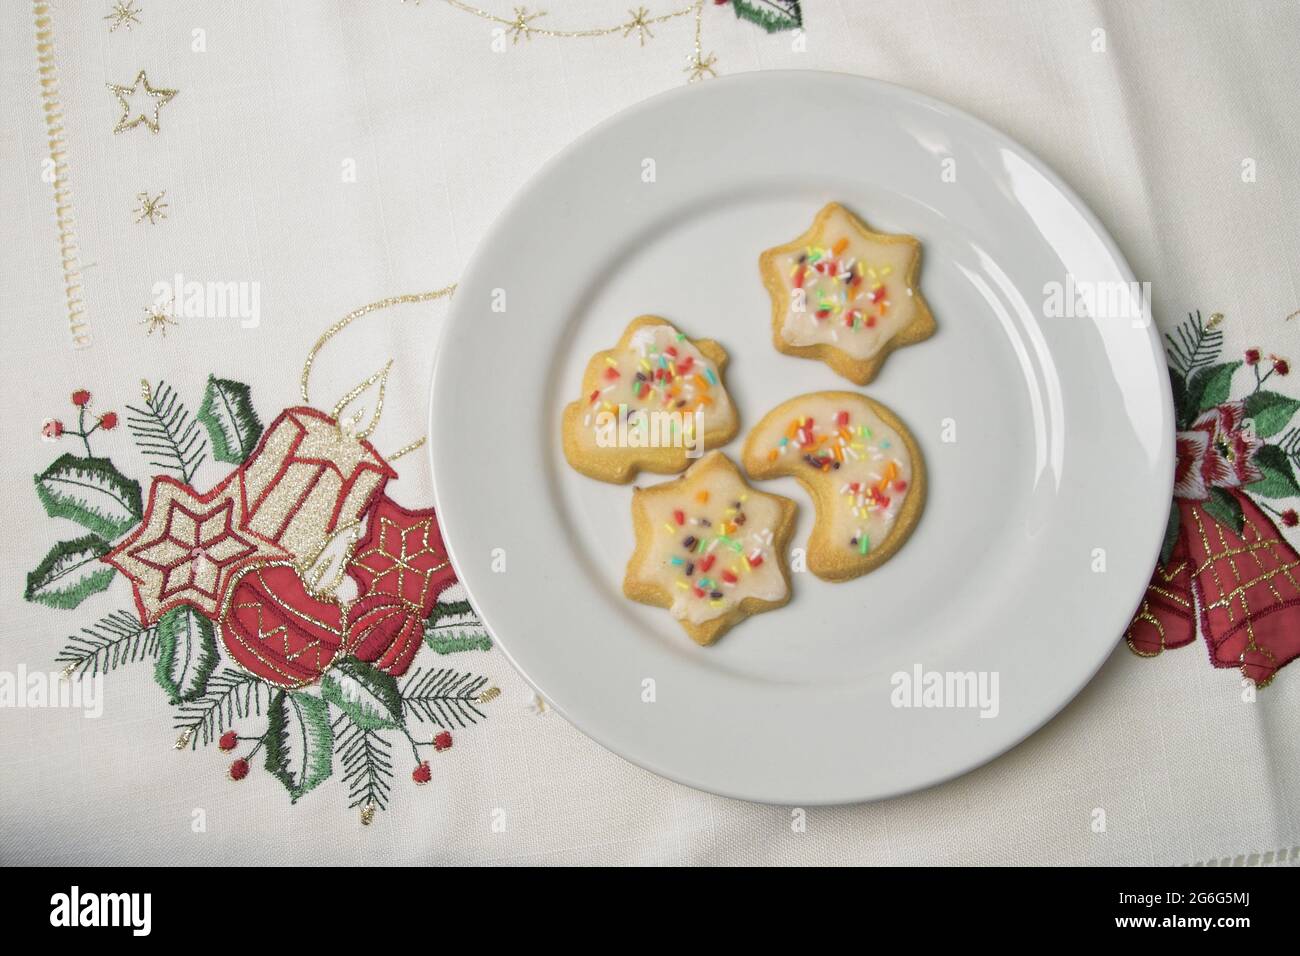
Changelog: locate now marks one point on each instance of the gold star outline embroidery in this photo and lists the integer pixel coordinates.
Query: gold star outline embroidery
(124, 93)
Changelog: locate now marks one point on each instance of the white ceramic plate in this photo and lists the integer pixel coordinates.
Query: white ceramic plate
(1044, 516)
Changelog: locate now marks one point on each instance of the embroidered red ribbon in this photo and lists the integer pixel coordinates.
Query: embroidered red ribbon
(1242, 589)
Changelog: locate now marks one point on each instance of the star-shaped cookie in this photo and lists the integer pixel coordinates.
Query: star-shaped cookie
(710, 548)
(846, 295)
(862, 467)
(647, 403)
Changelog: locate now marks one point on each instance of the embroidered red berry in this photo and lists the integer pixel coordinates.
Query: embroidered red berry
(228, 741)
(422, 774)
(1252, 356)
(1281, 365)
(239, 769)
(1290, 518)
(52, 428)
(442, 741)
(81, 398)
(108, 421)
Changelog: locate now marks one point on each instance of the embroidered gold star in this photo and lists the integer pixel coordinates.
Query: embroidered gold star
(124, 95)
(639, 23)
(151, 208)
(700, 67)
(124, 14)
(157, 319)
(521, 25)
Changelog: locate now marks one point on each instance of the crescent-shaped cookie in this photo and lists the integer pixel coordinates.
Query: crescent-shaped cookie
(860, 464)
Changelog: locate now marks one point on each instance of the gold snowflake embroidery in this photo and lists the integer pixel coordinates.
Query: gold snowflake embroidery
(124, 14)
(158, 317)
(640, 23)
(151, 208)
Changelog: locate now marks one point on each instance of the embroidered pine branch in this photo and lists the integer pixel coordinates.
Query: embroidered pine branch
(772, 15)
(1194, 344)
(230, 694)
(443, 697)
(164, 430)
(454, 627)
(109, 643)
(367, 763)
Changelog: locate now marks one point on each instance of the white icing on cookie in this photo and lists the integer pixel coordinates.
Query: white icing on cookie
(657, 382)
(847, 290)
(712, 546)
(842, 443)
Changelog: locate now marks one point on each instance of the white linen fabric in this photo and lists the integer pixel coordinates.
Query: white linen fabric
(1175, 121)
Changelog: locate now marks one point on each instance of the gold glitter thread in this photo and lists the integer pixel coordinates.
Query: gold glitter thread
(406, 449)
(355, 314)
(124, 14)
(52, 105)
(521, 24)
(701, 66)
(380, 378)
(160, 96)
(489, 695)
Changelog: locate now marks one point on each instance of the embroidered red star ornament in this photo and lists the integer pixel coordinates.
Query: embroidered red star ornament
(188, 548)
(400, 566)
(402, 555)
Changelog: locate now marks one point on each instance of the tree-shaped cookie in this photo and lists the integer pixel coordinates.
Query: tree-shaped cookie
(846, 295)
(861, 466)
(710, 548)
(654, 402)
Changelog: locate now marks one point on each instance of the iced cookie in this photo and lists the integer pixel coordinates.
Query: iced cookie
(846, 295)
(710, 548)
(654, 402)
(862, 468)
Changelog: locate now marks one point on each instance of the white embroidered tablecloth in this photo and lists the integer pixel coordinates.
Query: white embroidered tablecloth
(319, 157)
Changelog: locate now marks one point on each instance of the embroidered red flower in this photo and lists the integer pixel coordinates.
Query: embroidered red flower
(239, 769)
(1216, 452)
(422, 774)
(81, 398)
(1252, 356)
(1289, 518)
(108, 421)
(52, 429)
(1281, 365)
(228, 741)
(442, 741)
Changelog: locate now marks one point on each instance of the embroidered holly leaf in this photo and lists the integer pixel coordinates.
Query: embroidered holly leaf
(1278, 481)
(110, 642)
(366, 759)
(1171, 533)
(1270, 411)
(453, 627)
(232, 423)
(772, 15)
(444, 697)
(366, 694)
(91, 492)
(230, 695)
(165, 432)
(1210, 386)
(70, 573)
(1225, 509)
(299, 742)
(187, 654)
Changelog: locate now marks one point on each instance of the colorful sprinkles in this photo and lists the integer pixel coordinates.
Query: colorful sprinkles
(841, 290)
(830, 448)
(713, 562)
(661, 370)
